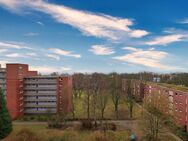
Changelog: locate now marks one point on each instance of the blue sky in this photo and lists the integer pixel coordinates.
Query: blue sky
(94, 35)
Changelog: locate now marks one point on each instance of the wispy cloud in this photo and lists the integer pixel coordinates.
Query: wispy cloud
(91, 24)
(148, 58)
(21, 55)
(3, 50)
(40, 23)
(13, 45)
(50, 69)
(31, 34)
(15, 55)
(166, 39)
(184, 21)
(101, 50)
(64, 52)
(53, 56)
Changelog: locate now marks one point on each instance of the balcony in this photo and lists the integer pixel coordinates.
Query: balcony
(34, 105)
(45, 81)
(40, 88)
(2, 81)
(40, 94)
(38, 100)
(35, 111)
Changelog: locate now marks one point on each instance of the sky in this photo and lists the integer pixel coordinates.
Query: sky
(69, 36)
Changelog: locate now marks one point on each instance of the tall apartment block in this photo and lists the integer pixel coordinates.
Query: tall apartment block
(176, 101)
(28, 93)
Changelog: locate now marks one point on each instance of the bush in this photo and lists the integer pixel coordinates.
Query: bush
(112, 126)
(182, 134)
(25, 135)
(55, 122)
(87, 124)
(109, 126)
(25, 118)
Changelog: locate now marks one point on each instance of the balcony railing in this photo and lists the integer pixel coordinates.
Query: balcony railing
(38, 100)
(40, 105)
(40, 82)
(40, 88)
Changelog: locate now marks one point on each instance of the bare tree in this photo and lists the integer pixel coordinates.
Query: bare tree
(88, 91)
(116, 91)
(103, 95)
(96, 86)
(154, 117)
(78, 85)
(129, 97)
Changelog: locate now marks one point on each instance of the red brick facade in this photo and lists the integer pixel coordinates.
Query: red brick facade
(15, 74)
(176, 101)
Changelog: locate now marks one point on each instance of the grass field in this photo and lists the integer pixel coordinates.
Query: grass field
(80, 109)
(44, 134)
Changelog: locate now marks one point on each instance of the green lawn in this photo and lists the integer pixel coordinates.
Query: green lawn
(80, 109)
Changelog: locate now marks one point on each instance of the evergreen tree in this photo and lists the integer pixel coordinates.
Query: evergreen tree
(5, 119)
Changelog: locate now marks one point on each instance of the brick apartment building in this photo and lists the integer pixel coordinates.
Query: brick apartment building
(176, 100)
(28, 93)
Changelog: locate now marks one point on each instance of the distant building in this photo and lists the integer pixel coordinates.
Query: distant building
(176, 99)
(28, 93)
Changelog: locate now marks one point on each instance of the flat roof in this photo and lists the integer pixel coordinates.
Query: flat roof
(171, 86)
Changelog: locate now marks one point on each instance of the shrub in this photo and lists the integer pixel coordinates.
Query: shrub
(87, 124)
(32, 117)
(109, 126)
(25, 118)
(112, 126)
(54, 122)
(182, 134)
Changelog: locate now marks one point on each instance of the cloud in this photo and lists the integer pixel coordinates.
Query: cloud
(90, 24)
(64, 52)
(167, 39)
(15, 55)
(40, 23)
(53, 56)
(51, 69)
(32, 54)
(13, 45)
(148, 58)
(101, 50)
(31, 34)
(138, 33)
(3, 50)
(131, 49)
(184, 21)
(22, 55)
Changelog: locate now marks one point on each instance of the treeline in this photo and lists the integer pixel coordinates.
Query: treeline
(171, 78)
